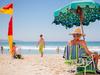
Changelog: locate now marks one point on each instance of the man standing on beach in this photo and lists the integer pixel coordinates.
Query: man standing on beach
(41, 45)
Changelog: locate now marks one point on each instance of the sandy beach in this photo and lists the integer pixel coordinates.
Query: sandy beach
(34, 65)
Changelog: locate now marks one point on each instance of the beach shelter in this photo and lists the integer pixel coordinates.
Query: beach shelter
(77, 13)
(8, 9)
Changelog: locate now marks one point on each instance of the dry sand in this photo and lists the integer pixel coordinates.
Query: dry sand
(34, 65)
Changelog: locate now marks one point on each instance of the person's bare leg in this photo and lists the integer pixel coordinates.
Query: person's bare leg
(96, 57)
(41, 54)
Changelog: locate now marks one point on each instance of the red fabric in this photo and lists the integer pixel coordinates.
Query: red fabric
(10, 28)
(8, 6)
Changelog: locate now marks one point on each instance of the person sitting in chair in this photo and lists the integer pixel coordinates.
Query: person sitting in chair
(77, 34)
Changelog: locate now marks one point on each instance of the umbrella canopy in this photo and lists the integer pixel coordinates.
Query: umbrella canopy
(68, 15)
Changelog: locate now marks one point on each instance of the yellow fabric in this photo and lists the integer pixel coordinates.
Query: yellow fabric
(41, 48)
(6, 11)
(10, 41)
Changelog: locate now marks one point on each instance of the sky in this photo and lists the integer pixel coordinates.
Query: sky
(35, 17)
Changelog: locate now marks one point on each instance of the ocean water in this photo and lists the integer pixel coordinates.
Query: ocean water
(50, 48)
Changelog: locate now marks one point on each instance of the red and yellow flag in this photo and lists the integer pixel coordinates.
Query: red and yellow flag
(10, 35)
(8, 9)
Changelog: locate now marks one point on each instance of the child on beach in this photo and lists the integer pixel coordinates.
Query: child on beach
(2, 50)
(57, 50)
(41, 45)
(14, 50)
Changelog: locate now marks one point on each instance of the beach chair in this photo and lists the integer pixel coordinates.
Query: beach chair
(86, 65)
(72, 54)
(75, 55)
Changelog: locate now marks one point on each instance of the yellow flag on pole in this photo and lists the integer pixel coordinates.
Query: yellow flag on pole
(8, 9)
(10, 35)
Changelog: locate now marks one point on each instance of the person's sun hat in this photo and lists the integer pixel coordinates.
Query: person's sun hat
(77, 31)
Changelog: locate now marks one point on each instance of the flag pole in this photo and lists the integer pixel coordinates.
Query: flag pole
(81, 25)
(10, 32)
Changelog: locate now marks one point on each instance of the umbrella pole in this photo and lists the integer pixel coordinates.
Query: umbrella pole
(82, 30)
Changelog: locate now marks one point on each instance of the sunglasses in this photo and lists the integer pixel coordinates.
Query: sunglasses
(77, 35)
